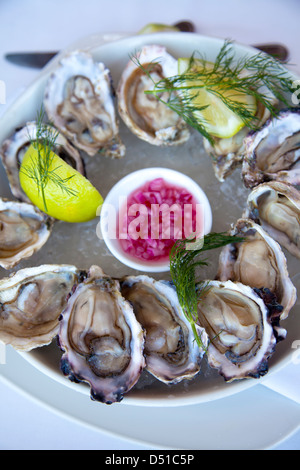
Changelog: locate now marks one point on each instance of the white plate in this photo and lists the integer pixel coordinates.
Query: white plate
(257, 418)
(78, 244)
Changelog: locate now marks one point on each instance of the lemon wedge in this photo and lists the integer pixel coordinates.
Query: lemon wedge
(75, 201)
(157, 27)
(218, 119)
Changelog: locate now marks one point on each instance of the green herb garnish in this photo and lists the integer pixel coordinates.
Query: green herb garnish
(40, 171)
(183, 268)
(260, 76)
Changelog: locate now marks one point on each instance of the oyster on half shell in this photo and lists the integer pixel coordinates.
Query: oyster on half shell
(276, 207)
(273, 152)
(23, 231)
(239, 327)
(143, 114)
(228, 154)
(171, 351)
(102, 341)
(80, 101)
(257, 262)
(31, 301)
(14, 148)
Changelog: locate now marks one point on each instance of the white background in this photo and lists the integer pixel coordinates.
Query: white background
(31, 25)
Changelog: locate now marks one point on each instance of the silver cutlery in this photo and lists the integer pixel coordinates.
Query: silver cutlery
(40, 59)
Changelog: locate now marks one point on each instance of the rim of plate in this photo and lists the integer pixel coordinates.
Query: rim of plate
(173, 40)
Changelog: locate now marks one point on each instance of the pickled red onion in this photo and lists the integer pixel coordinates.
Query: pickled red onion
(148, 227)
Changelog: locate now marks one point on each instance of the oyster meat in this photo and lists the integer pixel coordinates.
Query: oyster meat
(240, 329)
(23, 231)
(276, 207)
(102, 341)
(171, 352)
(143, 114)
(31, 301)
(80, 101)
(273, 152)
(227, 154)
(14, 148)
(257, 262)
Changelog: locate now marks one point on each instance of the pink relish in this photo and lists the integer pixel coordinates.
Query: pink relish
(149, 227)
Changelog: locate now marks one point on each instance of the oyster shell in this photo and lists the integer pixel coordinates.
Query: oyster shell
(31, 301)
(79, 100)
(276, 207)
(273, 152)
(144, 115)
(23, 231)
(171, 351)
(102, 341)
(14, 148)
(228, 154)
(240, 330)
(257, 262)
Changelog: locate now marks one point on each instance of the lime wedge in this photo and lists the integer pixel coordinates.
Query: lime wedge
(78, 200)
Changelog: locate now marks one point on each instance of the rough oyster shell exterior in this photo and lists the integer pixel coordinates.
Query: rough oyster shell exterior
(23, 231)
(80, 101)
(171, 351)
(276, 207)
(143, 114)
(273, 152)
(31, 302)
(258, 262)
(13, 150)
(102, 341)
(228, 154)
(240, 329)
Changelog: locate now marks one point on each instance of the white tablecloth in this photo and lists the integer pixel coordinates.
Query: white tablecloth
(30, 25)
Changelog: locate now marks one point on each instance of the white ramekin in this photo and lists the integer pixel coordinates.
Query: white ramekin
(124, 188)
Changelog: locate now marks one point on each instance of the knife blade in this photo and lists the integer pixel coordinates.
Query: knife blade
(35, 60)
(40, 59)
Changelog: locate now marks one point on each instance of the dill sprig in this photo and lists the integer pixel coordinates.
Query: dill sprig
(40, 171)
(183, 269)
(260, 76)
(166, 91)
